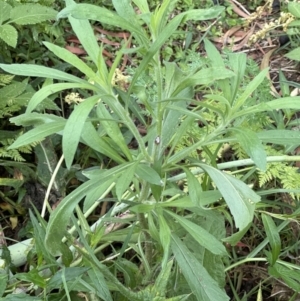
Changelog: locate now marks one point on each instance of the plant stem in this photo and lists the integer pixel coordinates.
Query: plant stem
(237, 163)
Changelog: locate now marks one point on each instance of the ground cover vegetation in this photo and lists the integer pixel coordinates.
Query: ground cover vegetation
(148, 150)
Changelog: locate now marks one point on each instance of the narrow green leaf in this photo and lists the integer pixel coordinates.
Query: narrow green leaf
(239, 197)
(72, 59)
(194, 187)
(91, 138)
(202, 285)
(38, 133)
(101, 14)
(85, 34)
(148, 174)
(99, 282)
(44, 92)
(161, 39)
(281, 137)
(40, 71)
(252, 86)
(9, 35)
(124, 180)
(204, 77)
(112, 129)
(3, 283)
(203, 237)
(35, 119)
(163, 278)
(164, 232)
(250, 142)
(74, 126)
(203, 14)
(31, 14)
(294, 9)
(273, 236)
(294, 54)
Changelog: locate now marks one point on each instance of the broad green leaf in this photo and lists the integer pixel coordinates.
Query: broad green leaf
(252, 145)
(294, 54)
(9, 35)
(203, 286)
(5, 10)
(91, 138)
(43, 93)
(40, 71)
(148, 174)
(294, 9)
(72, 59)
(203, 237)
(74, 126)
(31, 14)
(112, 128)
(273, 235)
(239, 197)
(38, 133)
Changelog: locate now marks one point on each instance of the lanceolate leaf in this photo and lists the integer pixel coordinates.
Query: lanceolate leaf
(38, 133)
(203, 237)
(148, 174)
(203, 286)
(238, 196)
(91, 138)
(72, 59)
(253, 146)
(282, 137)
(74, 126)
(273, 235)
(40, 71)
(31, 14)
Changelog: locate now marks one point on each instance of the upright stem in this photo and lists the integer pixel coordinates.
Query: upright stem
(144, 226)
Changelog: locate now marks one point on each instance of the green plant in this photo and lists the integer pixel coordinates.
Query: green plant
(163, 242)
